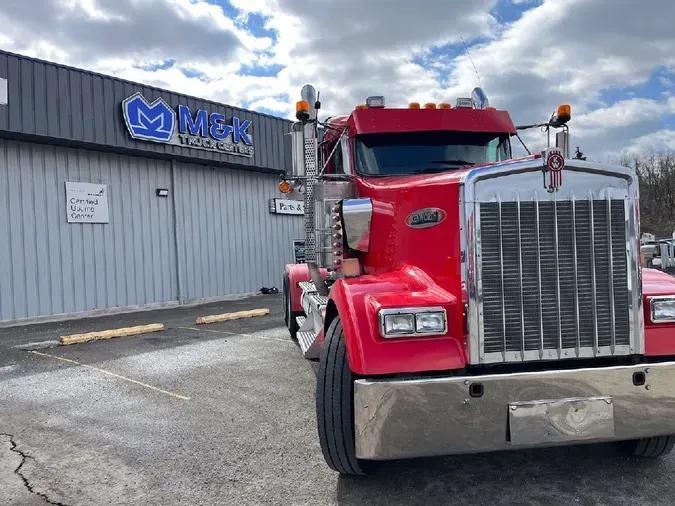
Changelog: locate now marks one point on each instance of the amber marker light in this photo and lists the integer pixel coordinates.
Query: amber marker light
(285, 187)
(414, 105)
(302, 110)
(564, 113)
(351, 267)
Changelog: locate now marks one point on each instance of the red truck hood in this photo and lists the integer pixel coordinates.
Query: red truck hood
(655, 282)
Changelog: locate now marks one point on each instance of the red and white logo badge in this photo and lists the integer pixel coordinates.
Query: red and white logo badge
(555, 163)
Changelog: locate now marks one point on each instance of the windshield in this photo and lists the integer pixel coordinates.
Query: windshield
(427, 152)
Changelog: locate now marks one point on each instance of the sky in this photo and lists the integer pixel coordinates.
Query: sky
(613, 61)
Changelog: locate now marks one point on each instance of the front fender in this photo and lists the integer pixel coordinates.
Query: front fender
(298, 273)
(659, 337)
(358, 301)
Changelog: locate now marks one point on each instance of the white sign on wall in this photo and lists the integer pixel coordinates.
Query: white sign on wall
(3, 91)
(287, 206)
(87, 203)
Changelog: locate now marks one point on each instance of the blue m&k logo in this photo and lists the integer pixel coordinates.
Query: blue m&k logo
(154, 121)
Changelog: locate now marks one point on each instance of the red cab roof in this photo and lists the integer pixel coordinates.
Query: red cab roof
(371, 121)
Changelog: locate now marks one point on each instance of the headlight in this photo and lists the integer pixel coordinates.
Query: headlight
(430, 322)
(411, 322)
(399, 324)
(663, 309)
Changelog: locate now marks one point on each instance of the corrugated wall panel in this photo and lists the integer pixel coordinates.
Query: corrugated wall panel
(229, 241)
(4, 110)
(52, 112)
(71, 104)
(48, 266)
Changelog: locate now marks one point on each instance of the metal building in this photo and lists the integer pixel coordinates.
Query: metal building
(119, 196)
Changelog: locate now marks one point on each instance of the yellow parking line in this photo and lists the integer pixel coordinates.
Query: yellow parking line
(177, 396)
(237, 334)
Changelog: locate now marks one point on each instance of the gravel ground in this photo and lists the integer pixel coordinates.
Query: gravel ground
(224, 415)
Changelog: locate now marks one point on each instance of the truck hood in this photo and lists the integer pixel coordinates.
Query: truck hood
(416, 222)
(655, 282)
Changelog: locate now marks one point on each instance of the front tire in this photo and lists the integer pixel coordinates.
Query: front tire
(335, 406)
(651, 447)
(289, 315)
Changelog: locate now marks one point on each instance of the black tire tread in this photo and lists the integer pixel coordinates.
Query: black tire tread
(334, 406)
(652, 447)
(289, 315)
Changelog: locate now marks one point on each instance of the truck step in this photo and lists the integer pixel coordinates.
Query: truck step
(306, 341)
(304, 324)
(307, 286)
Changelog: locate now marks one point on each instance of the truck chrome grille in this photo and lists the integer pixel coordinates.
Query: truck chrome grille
(554, 279)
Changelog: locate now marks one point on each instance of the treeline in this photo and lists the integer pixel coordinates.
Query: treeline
(656, 173)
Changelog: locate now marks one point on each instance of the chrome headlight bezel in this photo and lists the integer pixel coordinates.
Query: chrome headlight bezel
(661, 299)
(413, 312)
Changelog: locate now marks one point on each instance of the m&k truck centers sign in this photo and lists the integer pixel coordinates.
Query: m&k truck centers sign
(158, 122)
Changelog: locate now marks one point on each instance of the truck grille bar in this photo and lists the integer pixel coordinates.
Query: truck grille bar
(554, 279)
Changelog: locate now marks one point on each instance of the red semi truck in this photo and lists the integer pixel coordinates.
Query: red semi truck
(460, 300)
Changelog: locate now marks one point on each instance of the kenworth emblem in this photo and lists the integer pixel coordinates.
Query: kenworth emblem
(554, 163)
(157, 121)
(425, 218)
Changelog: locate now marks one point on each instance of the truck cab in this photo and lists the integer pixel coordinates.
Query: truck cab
(460, 300)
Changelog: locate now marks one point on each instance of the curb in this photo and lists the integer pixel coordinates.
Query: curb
(109, 334)
(215, 318)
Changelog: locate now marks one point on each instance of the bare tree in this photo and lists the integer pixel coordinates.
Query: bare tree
(656, 173)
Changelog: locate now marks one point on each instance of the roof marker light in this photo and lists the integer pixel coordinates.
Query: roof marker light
(430, 105)
(444, 105)
(414, 105)
(361, 106)
(375, 102)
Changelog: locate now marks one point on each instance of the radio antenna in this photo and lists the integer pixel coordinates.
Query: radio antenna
(471, 60)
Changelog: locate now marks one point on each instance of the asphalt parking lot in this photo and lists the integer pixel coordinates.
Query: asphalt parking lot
(223, 414)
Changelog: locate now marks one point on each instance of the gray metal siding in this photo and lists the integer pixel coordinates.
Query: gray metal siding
(73, 105)
(229, 241)
(49, 266)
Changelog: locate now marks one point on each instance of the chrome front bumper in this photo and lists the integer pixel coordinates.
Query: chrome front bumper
(415, 418)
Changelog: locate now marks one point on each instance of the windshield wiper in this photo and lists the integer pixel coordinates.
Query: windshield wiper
(429, 170)
(461, 163)
(454, 162)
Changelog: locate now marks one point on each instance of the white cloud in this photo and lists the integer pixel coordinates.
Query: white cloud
(581, 52)
(663, 140)
(85, 32)
(270, 104)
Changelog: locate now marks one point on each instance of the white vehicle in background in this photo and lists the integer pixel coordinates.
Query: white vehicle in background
(649, 251)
